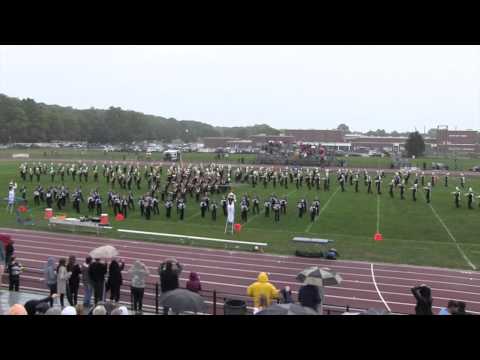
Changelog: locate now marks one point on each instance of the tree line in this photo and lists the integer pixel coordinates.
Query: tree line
(24, 120)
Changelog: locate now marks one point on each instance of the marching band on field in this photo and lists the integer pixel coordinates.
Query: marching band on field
(201, 181)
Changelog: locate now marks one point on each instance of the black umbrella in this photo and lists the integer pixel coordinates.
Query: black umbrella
(287, 309)
(181, 300)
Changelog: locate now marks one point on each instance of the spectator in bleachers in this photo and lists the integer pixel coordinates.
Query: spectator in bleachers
(115, 279)
(309, 296)
(99, 310)
(450, 309)
(54, 311)
(14, 271)
(9, 250)
(74, 281)
(87, 283)
(51, 278)
(69, 310)
(138, 273)
(423, 295)
(193, 283)
(461, 308)
(262, 287)
(80, 309)
(97, 271)
(17, 309)
(62, 277)
(169, 276)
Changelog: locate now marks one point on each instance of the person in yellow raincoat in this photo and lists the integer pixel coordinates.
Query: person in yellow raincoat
(260, 288)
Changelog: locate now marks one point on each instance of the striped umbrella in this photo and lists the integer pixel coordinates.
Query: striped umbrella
(319, 276)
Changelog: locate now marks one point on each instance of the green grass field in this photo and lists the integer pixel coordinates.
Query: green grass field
(413, 234)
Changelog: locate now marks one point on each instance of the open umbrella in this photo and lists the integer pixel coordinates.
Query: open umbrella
(104, 252)
(287, 309)
(373, 311)
(181, 300)
(319, 276)
(6, 239)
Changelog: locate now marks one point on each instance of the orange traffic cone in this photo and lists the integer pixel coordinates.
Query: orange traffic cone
(378, 237)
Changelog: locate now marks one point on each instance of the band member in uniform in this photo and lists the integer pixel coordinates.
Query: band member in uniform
(214, 211)
(276, 211)
(369, 184)
(256, 208)
(203, 208)
(428, 192)
(462, 180)
(266, 205)
(300, 209)
(446, 179)
(224, 206)
(244, 210)
(378, 184)
(414, 192)
(168, 208)
(124, 203)
(312, 213)
(356, 182)
(283, 206)
(457, 195)
(390, 188)
(156, 210)
(402, 190)
(470, 196)
(181, 207)
(316, 203)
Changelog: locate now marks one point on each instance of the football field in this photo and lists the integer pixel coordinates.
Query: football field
(417, 233)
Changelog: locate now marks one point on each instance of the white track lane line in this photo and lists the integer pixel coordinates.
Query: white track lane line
(453, 238)
(378, 291)
(309, 227)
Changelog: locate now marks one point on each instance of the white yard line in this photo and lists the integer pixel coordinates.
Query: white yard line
(453, 238)
(378, 291)
(309, 227)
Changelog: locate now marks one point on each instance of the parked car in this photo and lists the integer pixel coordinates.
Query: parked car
(475, 168)
(439, 166)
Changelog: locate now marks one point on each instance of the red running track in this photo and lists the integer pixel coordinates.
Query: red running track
(230, 272)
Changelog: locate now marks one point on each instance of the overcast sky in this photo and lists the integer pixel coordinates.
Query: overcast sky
(366, 87)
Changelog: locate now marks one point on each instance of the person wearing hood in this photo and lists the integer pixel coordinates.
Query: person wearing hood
(73, 281)
(87, 283)
(169, 276)
(138, 273)
(50, 276)
(62, 279)
(96, 272)
(262, 287)
(115, 279)
(9, 250)
(309, 296)
(423, 295)
(193, 283)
